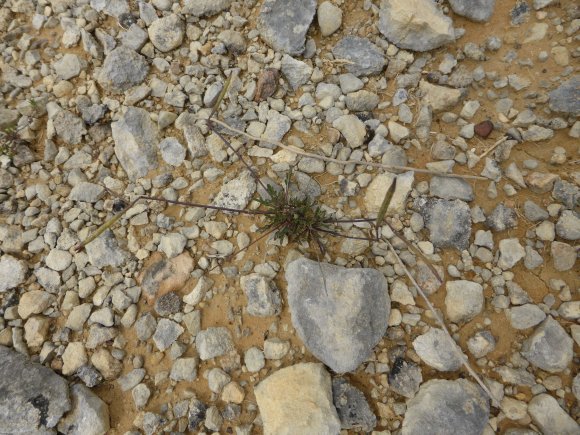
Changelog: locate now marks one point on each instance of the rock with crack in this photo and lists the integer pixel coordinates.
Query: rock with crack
(340, 314)
(136, 143)
(33, 398)
(283, 26)
(298, 400)
(445, 407)
(416, 25)
(89, 414)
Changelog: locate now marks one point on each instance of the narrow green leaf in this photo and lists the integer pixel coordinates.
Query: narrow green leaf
(385, 205)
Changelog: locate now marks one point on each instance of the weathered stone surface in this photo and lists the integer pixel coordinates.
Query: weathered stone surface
(476, 10)
(200, 8)
(448, 221)
(367, 59)
(445, 407)
(283, 26)
(440, 98)
(122, 69)
(377, 189)
(547, 414)
(135, 136)
(263, 295)
(33, 398)
(549, 348)
(296, 72)
(213, 342)
(89, 414)
(298, 400)
(451, 188)
(236, 193)
(415, 24)
(105, 251)
(464, 300)
(405, 378)
(353, 409)
(166, 33)
(339, 318)
(435, 349)
(566, 98)
(12, 271)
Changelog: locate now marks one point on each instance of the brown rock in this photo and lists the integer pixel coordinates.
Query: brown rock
(483, 129)
(267, 84)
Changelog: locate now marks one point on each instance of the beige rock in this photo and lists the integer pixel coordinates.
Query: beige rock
(233, 393)
(34, 302)
(35, 330)
(540, 182)
(440, 98)
(104, 362)
(378, 188)
(74, 357)
(297, 400)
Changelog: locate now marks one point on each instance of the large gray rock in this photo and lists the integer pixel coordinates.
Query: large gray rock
(448, 221)
(297, 400)
(550, 417)
(283, 24)
(200, 8)
(415, 24)
(32, 397)
(340, 314)
(476, 10)
(353, 409)
(135, 136)
(123, 68)
(89, 414)
(366, 57)
(549, 348)
(566, 98)
(443, 407)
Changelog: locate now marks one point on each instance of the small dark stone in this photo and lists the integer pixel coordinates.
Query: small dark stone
(405, 378)
(168, 304)
(126, 20)
(483, 129)
(501, 218)
(353, 410)
(196, 415)
(89, 375)
(520, 12)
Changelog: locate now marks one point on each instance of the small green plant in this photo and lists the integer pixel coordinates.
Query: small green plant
(9, 140)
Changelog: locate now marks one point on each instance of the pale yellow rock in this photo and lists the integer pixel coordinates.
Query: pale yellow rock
(297, 400)
(440, 98)
(378, 188)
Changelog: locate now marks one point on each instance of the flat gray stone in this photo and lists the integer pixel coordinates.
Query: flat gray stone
(236, 193)
(342, 321)
(86, 192)
(367, 59)
(435, 349)
(33, 398)
(448, 221)
(200, 8)
(566, 97)
(550, 418)
(405, 378)
(353, 409)
(13, 272)
(296, 72)
(89, 414)
(476, 10)
(447, 407)
(166, 33)
(451, 188)
(549, 348)
(283, 25)
(135, 136)
(213, 342)
(166, 333)
(105, 251)
(263, 295)
(525, 316)
(123, 68)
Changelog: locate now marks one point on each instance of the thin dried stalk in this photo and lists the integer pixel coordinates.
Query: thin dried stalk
(342, 162)
(441, 323)
(494, 146)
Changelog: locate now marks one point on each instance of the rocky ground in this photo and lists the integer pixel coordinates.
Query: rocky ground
(147, 331)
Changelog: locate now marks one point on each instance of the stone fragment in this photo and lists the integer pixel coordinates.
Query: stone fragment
(444, 407)
(340, 314)
(33, 398)
(365, 57)
(123, 68)
(298, 397)
(89, 414)
(135, 137)
(68, 127)
(213, 342)
(563, 255)
(263, 295)
(416, 25)
(166, 33)
(464, 300)
(476, 10)
(329, 18)
(86, 192)
(237, 192)
(377, 189)
(296, 72)
(549, 347)
(435, 349)
(566, 98)
(550, 418)
(105, 251)
(405, 378)
(34, 302)
(510, 253)
(482, 343)
(525, 316)
(284, 27)
(353, 409)
(440, 98)
(166, 333)
(352, 128)
(13, 272)
(448, 221)
(568, 225)
(184, 369)
(200, 8)
(451, 188)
